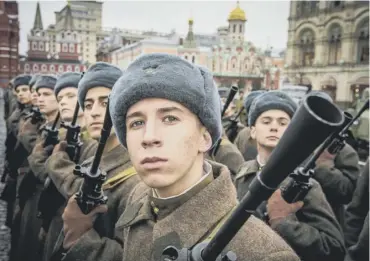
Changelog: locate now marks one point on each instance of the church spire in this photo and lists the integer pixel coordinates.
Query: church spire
(190, 39)
(37, 24)
(68, 20)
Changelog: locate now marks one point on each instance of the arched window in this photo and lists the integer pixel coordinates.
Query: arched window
(240, 28)
(34, 46)
(27, 67)
(193, 59)
(41, 46)
(307, 47)
(60, 68)
(71, 48)
(186, 57)
(35, 68)
(335, 35)
(52, 68)
(64, 48)
(363, 43)
(44, 68)
(234, 28)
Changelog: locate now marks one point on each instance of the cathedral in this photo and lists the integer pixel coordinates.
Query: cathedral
(53, 53)
(235, 61)
(328, 48)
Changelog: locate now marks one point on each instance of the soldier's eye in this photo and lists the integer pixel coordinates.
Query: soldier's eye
(136, 124)
(170, 119)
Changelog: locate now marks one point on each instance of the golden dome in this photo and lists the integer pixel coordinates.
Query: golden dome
(237, 14)
(191, 21)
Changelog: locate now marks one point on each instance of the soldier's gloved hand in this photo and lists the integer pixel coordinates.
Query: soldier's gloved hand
(39, 148)
(76, 223)
(61, 146)
(278, 209)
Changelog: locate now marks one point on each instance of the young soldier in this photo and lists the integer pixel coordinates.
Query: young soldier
(93, 91)
(34, 95)
(167, 112)
(310, 227)
(243, 141)
(30, 224)
(10, 100)
(357, 219)
(337, 174)
(13, 162)
(66, 94)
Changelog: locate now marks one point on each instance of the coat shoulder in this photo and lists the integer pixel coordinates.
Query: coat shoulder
(247, 168)
(257, 241)
(138, 192)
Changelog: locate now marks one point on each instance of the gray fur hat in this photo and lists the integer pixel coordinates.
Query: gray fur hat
(100, 74)
(272, 100)
(250, 98)
(23, 79)
(34, 79)
(168, 77)
(68, 79)
(46, 81)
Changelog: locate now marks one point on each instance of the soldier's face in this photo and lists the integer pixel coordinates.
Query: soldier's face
(95, 105)
(23, 94)
(47, 102)
(269, 128)
(166, 143)
(67, 100)
(34, 97)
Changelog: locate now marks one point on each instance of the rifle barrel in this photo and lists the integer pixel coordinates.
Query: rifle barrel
(363, 108)
(75, 114)
(56, 121)
(107, 126)
(230, 98)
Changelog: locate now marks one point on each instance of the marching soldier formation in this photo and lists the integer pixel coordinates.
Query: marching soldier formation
(151, 163)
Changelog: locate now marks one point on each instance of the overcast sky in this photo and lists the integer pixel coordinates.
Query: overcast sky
(267, 20)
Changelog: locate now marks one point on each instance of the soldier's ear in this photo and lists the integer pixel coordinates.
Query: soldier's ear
(206, 140)
(253, 132)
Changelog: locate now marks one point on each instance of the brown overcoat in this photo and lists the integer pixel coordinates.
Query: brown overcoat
(313, 232)
(95, 241)
(30, 223)
(338, 181)
(183, 221)
(87, 150)
(228, 155)
(245, 144)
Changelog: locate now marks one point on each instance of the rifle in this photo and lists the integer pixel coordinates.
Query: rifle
(338, 142)
(91, 193)
(52, 133)
(229, 99)
(46, 211)
(232, 129)
(299, 184)
(73, 140)
(35, 115)
(315, 120)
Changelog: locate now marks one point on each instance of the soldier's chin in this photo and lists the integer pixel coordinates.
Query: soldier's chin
(156, 180)
(66, 116)
(271, 144)
(94, 134)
